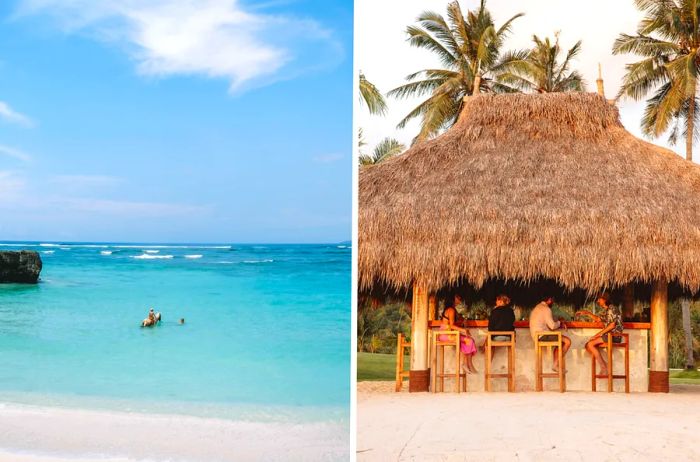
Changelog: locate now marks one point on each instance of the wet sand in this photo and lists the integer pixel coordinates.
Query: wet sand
(44, 434)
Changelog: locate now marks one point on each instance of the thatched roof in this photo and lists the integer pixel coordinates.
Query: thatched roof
(526, 187)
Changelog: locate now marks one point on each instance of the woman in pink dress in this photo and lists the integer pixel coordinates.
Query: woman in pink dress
(466, 342)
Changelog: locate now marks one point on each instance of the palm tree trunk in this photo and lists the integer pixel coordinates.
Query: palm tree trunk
(685, 303)
(477, 84)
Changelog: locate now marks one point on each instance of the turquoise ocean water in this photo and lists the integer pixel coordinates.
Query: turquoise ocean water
(266, 333)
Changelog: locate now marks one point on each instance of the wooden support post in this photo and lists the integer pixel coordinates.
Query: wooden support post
(432, 307)
(628, 301)
(419, 375)
(658, 371)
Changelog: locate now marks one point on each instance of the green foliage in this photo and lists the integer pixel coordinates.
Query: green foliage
(668, 41)
(372, 97)
(377, 328)
(470, 50)
(542, 71)
(388, 147)
(676, 336)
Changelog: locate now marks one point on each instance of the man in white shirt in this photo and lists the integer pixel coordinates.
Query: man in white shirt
(541, 320)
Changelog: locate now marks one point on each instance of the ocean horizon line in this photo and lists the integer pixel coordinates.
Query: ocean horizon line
(32, 242)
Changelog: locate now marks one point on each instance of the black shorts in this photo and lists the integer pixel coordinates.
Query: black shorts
(617, 338)
(549, 338)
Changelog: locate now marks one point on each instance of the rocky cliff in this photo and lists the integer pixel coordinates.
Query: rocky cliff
(23, 266)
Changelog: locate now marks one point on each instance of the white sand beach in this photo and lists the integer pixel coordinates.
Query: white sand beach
(44, 434)
(528, 426)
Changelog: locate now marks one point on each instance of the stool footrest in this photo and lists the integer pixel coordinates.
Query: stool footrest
(503, 376)
(553, 375)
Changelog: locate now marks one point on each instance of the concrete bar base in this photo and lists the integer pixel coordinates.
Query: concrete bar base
(578, 363)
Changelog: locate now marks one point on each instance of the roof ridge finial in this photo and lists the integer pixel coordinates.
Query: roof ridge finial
(599, 81)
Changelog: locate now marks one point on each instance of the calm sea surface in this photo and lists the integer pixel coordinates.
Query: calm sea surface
(266, 333)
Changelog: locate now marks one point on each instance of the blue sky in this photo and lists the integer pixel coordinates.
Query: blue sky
(176, 120)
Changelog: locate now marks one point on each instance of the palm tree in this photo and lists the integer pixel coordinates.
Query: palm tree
(371, 96)
(541, 70)
(388, 147)
(668, 40)
(469, 48)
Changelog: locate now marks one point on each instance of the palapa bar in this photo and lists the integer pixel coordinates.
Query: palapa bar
(530, 187)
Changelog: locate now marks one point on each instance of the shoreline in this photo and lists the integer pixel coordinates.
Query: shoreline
(237, 412)
(35, 433)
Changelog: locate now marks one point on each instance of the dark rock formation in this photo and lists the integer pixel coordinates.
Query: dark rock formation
(23, 266)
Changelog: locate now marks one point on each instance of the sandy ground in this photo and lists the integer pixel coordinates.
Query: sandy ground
(42, 434)
(549, 426)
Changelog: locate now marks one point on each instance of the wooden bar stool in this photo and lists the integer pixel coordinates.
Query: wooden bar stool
(452, 341)
(510, 349)
(539, 344)
(401, 346)
(610, 346)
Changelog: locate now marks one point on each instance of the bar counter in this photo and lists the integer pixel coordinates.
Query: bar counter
(578, 360)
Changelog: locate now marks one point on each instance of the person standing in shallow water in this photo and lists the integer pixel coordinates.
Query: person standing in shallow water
(613, 325)
(541, 320)
(466, 342)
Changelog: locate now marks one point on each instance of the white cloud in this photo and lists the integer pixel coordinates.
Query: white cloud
(214, 38)
(10, 115)
(14, 153)
(328, 158)
(385, 57)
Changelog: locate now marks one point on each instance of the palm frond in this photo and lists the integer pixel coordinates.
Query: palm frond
(372, 97)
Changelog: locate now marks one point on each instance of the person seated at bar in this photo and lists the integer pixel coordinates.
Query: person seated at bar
(541, 320)
(502, 318)
(612, 318)
(466, 342)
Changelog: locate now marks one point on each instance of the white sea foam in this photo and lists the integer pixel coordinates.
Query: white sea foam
(106, 252)
(193, 256)
(258, 261)
(49, 245)
(147, 256)
(65, 248)
(48, 252)
(342, 246)
(171, 246)
(151, 251)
